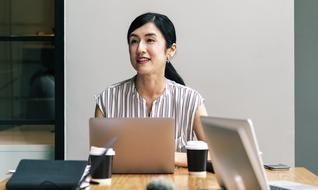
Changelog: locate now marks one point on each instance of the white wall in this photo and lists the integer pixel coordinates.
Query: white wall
(11, 154)
(238, 54)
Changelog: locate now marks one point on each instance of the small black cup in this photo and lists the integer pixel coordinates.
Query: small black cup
(101, 165)
(197, 155)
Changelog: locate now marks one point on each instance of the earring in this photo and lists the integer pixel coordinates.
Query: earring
(168, 60)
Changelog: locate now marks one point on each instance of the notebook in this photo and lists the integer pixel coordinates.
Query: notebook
(47, 175)
(235, 156)
(144, 145)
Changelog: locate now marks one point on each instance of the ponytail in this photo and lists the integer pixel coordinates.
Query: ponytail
(172, 74)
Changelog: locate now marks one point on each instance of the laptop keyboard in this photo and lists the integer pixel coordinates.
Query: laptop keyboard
(272, 187)
(289, 185)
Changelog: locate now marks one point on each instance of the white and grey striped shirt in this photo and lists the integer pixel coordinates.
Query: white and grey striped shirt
(177, 101)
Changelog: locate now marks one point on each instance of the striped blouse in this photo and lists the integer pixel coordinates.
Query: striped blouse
(177, 101)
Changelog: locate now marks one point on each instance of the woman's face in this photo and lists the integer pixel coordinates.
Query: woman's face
(147, 49)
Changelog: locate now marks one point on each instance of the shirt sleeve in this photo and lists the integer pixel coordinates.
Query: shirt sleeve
(100, 101)
(200, 100)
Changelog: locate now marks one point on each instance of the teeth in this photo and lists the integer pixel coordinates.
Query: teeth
(142, 59)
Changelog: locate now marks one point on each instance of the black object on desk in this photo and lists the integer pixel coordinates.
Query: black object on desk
(209, 166)
(276, 167)
(47, 175)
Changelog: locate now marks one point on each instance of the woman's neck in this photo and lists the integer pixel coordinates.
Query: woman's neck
(150, 86)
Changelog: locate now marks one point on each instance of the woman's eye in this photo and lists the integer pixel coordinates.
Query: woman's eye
(133, 41)
(150, 40)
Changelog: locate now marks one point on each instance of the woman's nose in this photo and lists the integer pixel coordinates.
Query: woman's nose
(141, 47)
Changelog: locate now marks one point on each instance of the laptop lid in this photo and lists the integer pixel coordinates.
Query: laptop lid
(234, 153)
(144, 145)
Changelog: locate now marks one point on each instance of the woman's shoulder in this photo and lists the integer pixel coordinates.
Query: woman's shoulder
(119, 85)
(180, 87)
(182, 92)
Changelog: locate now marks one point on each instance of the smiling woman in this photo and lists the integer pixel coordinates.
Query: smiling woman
(157, 90)
(147, 50)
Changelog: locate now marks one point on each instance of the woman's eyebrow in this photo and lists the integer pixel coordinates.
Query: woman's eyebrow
(146, 35)
(151, 34)
(133, 35)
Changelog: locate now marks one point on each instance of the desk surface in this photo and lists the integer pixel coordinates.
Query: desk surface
(183, 181)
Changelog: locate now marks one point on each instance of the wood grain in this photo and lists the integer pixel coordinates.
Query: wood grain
(183, 180)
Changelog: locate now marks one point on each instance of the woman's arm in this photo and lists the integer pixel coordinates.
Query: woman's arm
(197, 125)
(181, 157)
(98, 112)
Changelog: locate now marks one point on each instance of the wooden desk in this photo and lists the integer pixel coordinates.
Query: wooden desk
(183, 181)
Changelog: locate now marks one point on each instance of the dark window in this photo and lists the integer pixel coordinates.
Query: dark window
(31, 73)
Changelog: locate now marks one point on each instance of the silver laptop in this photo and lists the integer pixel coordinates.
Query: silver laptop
(144, 145)
(235, 156)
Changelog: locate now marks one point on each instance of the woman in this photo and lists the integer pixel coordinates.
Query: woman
(157, 90)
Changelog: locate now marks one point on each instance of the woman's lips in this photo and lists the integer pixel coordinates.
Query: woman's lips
(142, 60)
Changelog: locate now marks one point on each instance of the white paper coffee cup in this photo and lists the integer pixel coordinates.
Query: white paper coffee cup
(197, 154)
(103, 172)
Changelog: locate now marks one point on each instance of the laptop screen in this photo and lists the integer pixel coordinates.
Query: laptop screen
(234, 153)
(144, 145)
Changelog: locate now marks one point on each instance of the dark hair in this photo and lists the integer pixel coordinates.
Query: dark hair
(166, 27)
